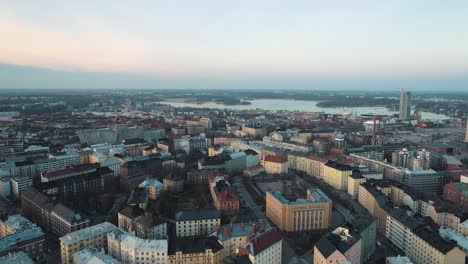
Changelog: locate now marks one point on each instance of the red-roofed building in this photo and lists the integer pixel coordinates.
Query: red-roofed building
(263, 248)
(254, 170)
(275, 164)
(224, 197)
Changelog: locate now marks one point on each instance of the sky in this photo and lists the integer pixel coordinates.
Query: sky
(226, 44)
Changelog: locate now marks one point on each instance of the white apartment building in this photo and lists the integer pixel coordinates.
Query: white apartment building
(19, 184)
(197, 222)
(419, 242)
(129, 249)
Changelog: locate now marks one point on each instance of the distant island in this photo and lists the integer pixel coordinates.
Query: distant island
(345, 101)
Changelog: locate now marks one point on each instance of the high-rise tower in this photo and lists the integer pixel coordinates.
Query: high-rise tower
(405, 105)
(466, 135)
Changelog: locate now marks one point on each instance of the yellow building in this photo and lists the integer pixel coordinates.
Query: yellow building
(315, 166)
(376, 204)
(255, 131)
(298, 161)
(93, 236)
(354, 180)
(337, 175)
(429, 247)
(188, 250)
(313, 213)
(275, 164)
(216, 150)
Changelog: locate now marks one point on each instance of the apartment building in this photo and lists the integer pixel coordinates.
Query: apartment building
(68, 172)
(51, 216)
(134, 172)
(354, 180)
(233, 236)
(198, 222)
(224, 197)
(35, 166)
(376, 203)
(174, 184)
(187, 250)
(298, 160)
(93, 236)
(127, 248)
(153, 187)
(366, 227)
(315, 165)
(342, 245)
(255, 131)
(457, 193)
(19, 185)
(420, 242)
(337, 175)
(252, 158)
(275, 164)
(20, 234)
(263, 248)
(312, 213)
(202, 176)
(69, 188)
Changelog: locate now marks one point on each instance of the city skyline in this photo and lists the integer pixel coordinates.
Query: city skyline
(313, 45)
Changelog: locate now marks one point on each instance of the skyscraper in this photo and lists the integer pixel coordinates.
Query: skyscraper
(466, 135)
(405, 105)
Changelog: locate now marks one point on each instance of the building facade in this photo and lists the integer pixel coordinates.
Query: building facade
(312, 213)
(337, 175)
(198, 222)
(405, 105)
(93, 236)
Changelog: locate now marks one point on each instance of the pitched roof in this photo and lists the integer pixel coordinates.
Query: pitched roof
(264, 241)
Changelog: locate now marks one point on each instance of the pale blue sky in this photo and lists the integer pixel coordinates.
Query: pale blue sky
(221, 41)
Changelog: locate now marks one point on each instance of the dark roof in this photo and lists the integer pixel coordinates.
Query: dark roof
(192, 245)
(94, 175)
(360, 222)
(338, 166)
(244, 259)
(409, 221)
(138, 195)
(250, 152)
(196, 214)
(216, 160)
(131, 211)
(357, 174)
(331, 242)
(434, 239)
(325, 247)
(132, 141)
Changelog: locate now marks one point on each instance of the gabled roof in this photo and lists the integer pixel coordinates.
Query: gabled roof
(264, 241)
